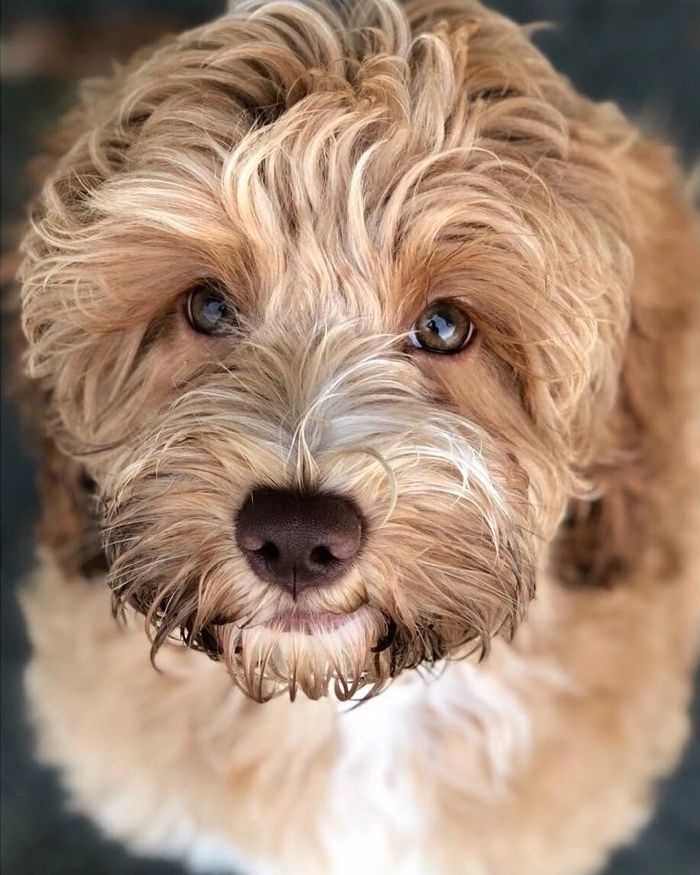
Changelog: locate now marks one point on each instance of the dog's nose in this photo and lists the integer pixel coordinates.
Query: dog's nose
(295, 540)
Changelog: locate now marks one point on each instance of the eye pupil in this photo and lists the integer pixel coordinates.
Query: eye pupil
(207, 310)
(443, 328)
(213, 309)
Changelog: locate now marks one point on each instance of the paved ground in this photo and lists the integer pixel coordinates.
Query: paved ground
(642, 53)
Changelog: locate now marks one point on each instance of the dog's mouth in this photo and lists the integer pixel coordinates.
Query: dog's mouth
(308, 649)
(311, 622)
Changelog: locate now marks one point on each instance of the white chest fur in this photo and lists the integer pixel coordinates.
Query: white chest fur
(382, 812)
(376, 815)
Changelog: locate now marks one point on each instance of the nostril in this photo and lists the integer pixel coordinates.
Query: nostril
(268, 551)
(322, 556)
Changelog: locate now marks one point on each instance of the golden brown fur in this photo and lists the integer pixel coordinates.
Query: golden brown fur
(336, 171)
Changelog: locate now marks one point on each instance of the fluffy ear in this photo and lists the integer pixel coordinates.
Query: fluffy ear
(643, 474)
(69, 522)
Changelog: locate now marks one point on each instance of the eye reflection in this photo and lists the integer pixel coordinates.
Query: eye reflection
(442, 328)
(208, 311)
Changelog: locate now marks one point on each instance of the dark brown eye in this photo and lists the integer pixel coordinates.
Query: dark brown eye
(208, 311)
(442, 328)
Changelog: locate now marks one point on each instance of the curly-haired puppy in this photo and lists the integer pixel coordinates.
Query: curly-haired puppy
(352, 331)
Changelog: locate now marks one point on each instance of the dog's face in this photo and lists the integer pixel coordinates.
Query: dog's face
(330, 316)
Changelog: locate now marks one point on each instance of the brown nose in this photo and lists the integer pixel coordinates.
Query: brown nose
(295, 540)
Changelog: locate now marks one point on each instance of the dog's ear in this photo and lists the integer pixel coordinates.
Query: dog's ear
(643, 472)
(69, 522)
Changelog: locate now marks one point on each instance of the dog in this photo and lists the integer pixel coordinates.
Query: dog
(362, 349)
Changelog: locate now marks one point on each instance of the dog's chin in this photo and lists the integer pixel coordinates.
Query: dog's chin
(316, 653)
(348, 655)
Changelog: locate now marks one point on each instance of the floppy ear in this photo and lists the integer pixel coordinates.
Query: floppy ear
(643, 470)
(69, 521)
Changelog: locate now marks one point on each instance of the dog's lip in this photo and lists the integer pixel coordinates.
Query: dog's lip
(308, 622)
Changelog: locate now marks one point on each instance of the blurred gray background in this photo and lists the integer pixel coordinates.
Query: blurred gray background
(644, 54)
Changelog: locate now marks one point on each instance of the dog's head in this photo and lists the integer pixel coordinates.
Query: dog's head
(329, 304)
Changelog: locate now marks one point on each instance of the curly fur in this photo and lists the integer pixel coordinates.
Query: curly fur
(335, 170)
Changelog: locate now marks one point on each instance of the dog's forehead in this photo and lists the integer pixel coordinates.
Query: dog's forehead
(320, 172)
(338, 211)
(330, 206)
(311, 186)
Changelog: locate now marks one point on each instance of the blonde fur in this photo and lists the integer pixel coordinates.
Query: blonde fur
(334, 171)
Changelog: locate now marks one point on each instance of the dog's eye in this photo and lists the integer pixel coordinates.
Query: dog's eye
(208, 311)
(442, 328)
